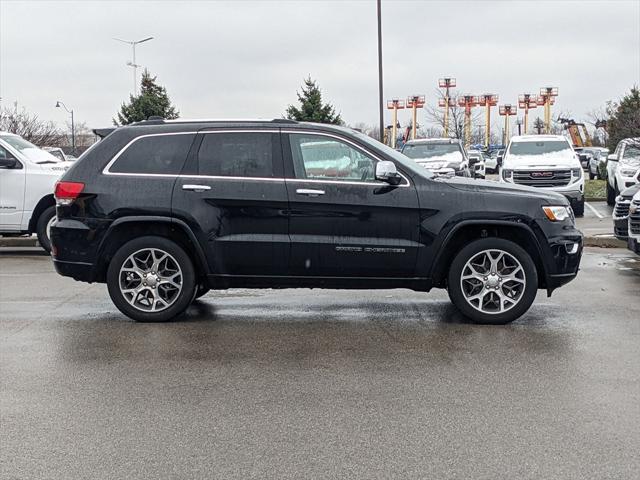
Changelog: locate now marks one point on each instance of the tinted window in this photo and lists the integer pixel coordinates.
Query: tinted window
(238, 154)
(323, 158)
(155, 154)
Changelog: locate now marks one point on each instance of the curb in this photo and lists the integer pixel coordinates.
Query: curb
(19, 242)
(602, 241)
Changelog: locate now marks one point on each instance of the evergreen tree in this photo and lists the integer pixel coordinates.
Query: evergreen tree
(153, 100)
(624, 118)
(311, 107)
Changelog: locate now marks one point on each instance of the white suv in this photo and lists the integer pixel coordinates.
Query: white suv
(27, 178)
(623, 167)
(547, 162)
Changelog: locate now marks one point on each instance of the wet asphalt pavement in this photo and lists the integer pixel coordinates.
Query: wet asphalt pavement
(319, 383)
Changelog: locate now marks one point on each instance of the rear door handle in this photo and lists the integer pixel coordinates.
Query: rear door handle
(196, 188)
(309, 192)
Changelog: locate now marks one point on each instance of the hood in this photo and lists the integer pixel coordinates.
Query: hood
(631, 191)
(453, 157)
(563, 159)
(507, 189)
(40, 157)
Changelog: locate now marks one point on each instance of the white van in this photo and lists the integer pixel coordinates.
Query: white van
(547, 162)
(28, 176)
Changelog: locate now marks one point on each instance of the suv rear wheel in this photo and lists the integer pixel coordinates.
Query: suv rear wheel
(492, 281)
(151, 279)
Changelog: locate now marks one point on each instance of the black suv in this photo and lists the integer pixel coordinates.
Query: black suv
(163, 211)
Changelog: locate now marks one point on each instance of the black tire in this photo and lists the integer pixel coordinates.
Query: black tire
(611, 195)
(578, 209)
(183, 299)
(41, 228)
(455, 289)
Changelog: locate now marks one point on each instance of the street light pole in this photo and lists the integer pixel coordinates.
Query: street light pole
(133, 63)
(380, 92)
(73, 125)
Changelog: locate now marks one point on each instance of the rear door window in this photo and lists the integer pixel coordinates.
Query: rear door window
(239, 154)
(155, 154)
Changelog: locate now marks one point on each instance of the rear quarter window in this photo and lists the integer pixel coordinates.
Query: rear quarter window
(156, 154)
(238, 154)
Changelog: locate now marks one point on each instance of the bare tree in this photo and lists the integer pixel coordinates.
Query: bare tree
(435, 115)
(29, 127)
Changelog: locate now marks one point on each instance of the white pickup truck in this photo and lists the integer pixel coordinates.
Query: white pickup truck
(28, 176)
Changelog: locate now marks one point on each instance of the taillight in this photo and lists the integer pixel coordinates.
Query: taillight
(67, 192)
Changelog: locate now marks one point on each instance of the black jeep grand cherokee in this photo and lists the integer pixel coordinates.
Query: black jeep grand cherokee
(163, 211)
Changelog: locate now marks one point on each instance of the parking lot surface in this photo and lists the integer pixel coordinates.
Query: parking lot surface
(319, 383)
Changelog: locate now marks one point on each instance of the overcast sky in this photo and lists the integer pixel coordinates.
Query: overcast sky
(245, 59)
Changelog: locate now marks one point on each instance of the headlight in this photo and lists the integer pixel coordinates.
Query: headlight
(628, 172)
(507, 174)
(556, 214)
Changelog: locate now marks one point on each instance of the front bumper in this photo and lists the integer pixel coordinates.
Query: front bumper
(633, 244)
(562, 246)
(621, 228)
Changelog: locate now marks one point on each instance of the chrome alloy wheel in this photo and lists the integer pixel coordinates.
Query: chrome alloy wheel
(493, 281)
(150, 280)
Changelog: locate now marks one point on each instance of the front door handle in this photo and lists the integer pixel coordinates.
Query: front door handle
(309, 192)
(196, 188)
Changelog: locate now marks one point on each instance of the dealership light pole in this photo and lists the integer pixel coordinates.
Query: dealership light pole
(380, 93)
(394, 105)
(133, 63)
(487, 100)
(73, 125)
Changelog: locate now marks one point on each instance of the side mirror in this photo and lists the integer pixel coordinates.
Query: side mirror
(499, 160)
(8, 162)
(386, 172)
(473, 161)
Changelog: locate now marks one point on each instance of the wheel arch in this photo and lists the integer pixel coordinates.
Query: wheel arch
(125, 229)
(44, 203)
(465, 232)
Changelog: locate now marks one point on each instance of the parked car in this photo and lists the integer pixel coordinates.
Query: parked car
(584, 156)
(477, 163)
(491, 161)
(634, 224)
(547, 162)
(623, 167)
(57, 152)
(27, 178)
(597, 158)
(163, 211)
(621, 212)
(442, 156)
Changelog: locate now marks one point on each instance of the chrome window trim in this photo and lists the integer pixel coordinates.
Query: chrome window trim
(106, 169)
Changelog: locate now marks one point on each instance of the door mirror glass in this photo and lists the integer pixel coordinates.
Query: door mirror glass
(7, 160)
(386, 172)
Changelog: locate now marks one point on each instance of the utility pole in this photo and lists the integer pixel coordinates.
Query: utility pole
(527, 101)
(507, 110)
(380, 92)
(446, 83)
(414, 102)
(133, 63)
(394, 105)
(487, 100)
(546, 99)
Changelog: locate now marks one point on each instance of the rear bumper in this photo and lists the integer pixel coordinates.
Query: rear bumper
(80, 271)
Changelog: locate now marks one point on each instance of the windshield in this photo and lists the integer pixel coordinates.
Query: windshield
(632, 151)
(538, 148)
(29, 150)
(432, 150)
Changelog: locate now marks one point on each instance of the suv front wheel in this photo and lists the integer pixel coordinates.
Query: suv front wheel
(492, 281)
(151, 279)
